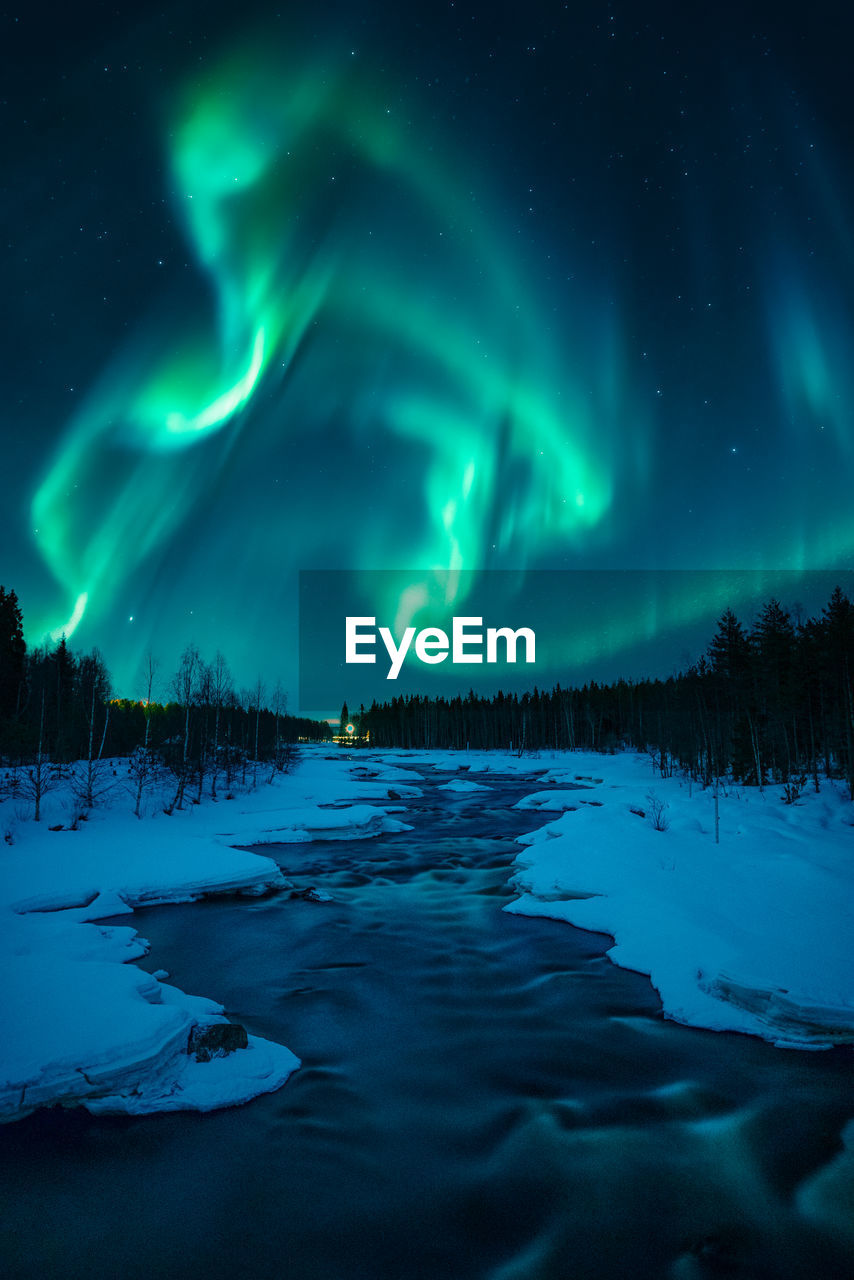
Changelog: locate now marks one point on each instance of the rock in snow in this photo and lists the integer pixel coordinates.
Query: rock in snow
(217, 1040)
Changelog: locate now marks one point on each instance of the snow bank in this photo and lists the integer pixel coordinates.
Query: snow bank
(137, 867)
(113, 1038)
(555, 801)
(83, 1027)
(459, 784)
(752, 934)
(296, 826)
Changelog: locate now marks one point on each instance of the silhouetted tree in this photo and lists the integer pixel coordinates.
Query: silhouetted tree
(13, 653)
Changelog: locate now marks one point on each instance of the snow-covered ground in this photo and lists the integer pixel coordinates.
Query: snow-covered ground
(750, 934)
(80, 1025)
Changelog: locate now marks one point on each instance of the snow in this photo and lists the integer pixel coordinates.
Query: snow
(297, 826)
(752, 934)
(82, 1026)
(459, 784)
(386, 773)
(556, 801)
(112, 1037)
(502, 762)
(317, 895)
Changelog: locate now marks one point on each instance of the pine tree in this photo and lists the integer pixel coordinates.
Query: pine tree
(13, 652)
(838, 635)
(62, 674)
(729, 652)
(773, 639)
(726, 716)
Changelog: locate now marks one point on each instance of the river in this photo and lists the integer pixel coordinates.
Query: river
(482, 1096)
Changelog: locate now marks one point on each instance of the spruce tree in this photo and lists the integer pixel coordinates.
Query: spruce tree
(13, 652)
(728, 715)
(837, 625)
(773, 638)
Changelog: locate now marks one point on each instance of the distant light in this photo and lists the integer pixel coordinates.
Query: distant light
(351, 728)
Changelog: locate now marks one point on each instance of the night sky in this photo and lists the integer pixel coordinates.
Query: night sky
(422, 286)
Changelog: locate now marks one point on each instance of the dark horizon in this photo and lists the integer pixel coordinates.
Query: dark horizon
(319, 643)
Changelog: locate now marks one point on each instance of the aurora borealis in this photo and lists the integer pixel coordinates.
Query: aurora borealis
(443, 289)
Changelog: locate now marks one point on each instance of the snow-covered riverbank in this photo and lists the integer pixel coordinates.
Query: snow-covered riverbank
(750, 934)
(81, 1026)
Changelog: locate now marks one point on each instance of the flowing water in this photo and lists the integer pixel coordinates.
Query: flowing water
(482, 1095)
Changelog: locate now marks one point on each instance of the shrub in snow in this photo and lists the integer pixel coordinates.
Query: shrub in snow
(793, 788)
(655, 812)
(35, 783)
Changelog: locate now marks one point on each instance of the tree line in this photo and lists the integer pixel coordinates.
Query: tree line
(57, 707)
(769, 703)
(772, 703)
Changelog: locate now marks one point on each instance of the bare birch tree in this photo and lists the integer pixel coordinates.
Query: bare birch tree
(221, 688)
(184, 685)
(143, 765)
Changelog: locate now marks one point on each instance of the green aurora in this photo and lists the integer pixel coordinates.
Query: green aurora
(377, 366)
